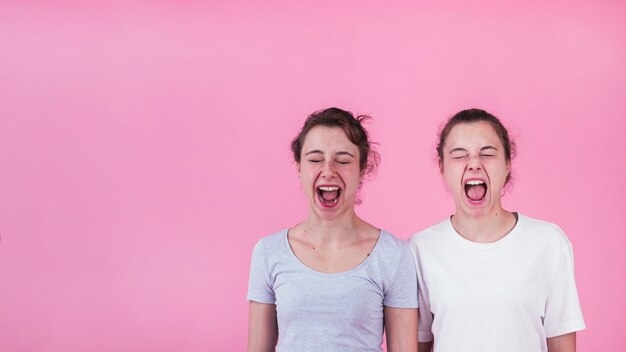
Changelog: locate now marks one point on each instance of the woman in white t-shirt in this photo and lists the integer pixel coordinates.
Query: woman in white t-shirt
(332, 282)
(490, 279)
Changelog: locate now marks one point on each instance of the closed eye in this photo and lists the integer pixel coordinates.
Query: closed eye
(458, 153)
(457, 156)
(488, 151)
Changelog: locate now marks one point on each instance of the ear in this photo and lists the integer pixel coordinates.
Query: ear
(441, 166)
(298, 167)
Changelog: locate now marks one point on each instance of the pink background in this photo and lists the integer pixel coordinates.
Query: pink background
(144, 148)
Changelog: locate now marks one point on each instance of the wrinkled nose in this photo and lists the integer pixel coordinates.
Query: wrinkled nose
(328, 171)
(474, 164)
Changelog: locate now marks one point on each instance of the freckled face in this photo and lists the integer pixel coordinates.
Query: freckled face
(329, 171)
(474, 167)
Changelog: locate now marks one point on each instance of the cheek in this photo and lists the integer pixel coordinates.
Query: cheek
(305, 177)
(498, 176)
(451, 174)
(451, 182)
(352, 177)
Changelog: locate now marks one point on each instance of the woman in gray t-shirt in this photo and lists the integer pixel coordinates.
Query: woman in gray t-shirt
(333, 282)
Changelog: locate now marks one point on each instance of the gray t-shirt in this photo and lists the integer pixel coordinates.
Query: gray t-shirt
(332, 312)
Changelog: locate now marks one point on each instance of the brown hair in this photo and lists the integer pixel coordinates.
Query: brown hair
(351, 126)
(472, 116)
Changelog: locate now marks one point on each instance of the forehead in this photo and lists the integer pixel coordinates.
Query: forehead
(471, 134)
(324, 137)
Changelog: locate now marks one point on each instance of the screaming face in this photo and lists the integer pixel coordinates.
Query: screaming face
(474, 167)
(329, 171)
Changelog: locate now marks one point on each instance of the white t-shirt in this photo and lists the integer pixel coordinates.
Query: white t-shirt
(330, 312)
(508, 295)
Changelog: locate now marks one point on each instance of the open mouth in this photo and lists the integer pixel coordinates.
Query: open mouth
(328, 195)
(475, 190)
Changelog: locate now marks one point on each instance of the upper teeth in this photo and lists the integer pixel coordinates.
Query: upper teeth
(329, 188)
(474, 182)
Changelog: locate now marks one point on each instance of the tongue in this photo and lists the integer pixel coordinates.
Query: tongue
(330, 195)
(476, 192)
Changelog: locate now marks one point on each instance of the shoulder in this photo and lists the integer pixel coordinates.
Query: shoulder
(271, 242)
(391, 249)
(543, 231)
(271, 251)
(542, 228)
(430, 234)
(390, 241)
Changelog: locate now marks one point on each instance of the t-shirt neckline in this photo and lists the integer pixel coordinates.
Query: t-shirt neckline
(502, 241)
(358, 266)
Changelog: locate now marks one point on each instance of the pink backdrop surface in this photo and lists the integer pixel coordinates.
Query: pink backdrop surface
(144, 148)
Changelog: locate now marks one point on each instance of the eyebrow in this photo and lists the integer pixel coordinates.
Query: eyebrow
(344, 153)
(457, 150)
(489, 147)
(317, 151)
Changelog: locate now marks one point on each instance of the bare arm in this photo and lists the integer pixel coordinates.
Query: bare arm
(262, 327)
(425, 346)
(401, 329)
(562, 343)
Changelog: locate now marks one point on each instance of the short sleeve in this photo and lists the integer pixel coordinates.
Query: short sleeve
(425, 323)
(260, 284)
(402, 292)
(562, 313)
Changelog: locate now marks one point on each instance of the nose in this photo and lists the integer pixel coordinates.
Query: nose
(474, 163)
(328, 170)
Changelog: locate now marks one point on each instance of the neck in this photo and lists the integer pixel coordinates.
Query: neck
(484, 228)
(345, 227)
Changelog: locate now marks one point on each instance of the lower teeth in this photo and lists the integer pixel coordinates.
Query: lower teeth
(329, 201)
